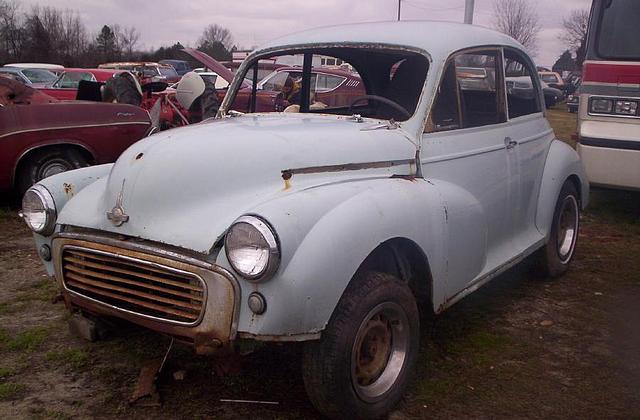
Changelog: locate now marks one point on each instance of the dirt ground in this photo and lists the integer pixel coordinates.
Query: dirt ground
(521, 347)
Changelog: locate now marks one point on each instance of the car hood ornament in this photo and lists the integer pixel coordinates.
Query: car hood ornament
(117, 214)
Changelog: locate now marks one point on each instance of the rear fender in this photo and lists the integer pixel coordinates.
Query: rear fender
(562, 163)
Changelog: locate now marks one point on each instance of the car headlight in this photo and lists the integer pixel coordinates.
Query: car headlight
(601, 106)
(252, 248)
(625, 107)
(39, 210)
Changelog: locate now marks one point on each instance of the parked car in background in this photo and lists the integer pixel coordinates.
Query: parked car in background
(41, 136)
(264, 68)
(329, 226)
(573, 100)
(153, 72)
(552, 96)
(609, 113)
(31, 77)
(57, 69)
(180, 66)
(552, 79)
(65, 88)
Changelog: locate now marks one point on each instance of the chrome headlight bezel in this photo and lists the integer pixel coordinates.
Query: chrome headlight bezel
(49, 207)
(271, 239)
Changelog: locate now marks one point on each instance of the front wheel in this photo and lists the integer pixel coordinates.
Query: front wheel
(558, 252)
(47, 162)
(362, 364)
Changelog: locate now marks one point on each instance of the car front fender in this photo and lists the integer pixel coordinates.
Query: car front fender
(561, 164)
(325, 234)
(63, 187)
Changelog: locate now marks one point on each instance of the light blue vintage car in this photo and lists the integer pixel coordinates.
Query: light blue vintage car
(323, 224)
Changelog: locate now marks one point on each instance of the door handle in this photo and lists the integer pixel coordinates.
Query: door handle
(510, 144)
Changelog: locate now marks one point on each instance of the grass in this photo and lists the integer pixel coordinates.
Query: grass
(25, 341)
(564, 124)
(11, 390)
(6, 372)
(70, 358)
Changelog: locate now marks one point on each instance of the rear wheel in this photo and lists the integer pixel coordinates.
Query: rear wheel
(362, 364)
(47, 162)
(558, 252)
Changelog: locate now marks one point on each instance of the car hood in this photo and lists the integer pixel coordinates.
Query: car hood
(212, 64)
(186, 186)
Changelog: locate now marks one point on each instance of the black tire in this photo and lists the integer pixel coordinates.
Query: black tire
(374, 305)
(557, 254)
(47, 162)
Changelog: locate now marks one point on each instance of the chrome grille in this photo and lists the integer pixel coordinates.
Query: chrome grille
(134, 285)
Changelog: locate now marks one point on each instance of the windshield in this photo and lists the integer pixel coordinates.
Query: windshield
(72, 80)
(39, 76)
(381, 83)
(619, 31)
(168, 71)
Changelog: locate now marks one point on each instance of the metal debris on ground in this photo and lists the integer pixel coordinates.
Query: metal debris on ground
(249, 401)
(146, 392)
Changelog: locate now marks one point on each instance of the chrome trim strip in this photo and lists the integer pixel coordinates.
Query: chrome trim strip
(288, 173)
(139, 261)
(31, 130)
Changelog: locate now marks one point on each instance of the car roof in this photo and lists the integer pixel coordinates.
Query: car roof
(101, 75)
(43, 66)
(10, 69)
(439, 39)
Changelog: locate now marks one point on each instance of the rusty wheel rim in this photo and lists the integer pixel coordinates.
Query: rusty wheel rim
(379, 351)
(568, 220)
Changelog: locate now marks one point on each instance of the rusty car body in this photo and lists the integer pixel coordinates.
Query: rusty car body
(330, 225)
(41, 136)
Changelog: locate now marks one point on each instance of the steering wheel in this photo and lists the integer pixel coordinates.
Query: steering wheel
(382, 99)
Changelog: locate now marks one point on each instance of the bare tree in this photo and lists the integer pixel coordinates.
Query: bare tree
(213, 34)
(574, 33)
(518, 19)
(129, 37)
(11, 36)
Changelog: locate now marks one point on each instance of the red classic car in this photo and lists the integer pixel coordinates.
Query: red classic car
(41, 136)
(66, 87)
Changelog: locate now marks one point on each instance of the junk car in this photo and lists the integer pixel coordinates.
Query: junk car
(65, 88)
(41, 136)
(329, 226)
(30, 77)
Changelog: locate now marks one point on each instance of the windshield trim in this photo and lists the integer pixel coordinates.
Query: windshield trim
(256, 56)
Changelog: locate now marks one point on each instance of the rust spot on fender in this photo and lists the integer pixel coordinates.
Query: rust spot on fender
(68, 189)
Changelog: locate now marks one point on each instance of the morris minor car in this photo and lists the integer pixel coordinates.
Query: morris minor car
(331, 226)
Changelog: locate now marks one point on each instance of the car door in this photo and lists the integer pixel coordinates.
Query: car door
(465, 155)
(529, 138)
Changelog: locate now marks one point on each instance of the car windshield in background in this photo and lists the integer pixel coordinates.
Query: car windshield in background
(168, 71)
(72, 80)
(377, 83)
(619, 30)
(39, 76)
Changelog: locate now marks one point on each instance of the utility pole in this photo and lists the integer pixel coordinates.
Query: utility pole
(399, 10)
(468, 12)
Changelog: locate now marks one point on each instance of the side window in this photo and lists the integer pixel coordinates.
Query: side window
(522, 93)
(326, 82)
(445, 114)
(480, 88)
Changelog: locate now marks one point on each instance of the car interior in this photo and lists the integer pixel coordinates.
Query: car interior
(393, 81)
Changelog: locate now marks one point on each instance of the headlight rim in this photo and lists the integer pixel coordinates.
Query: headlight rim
(272, 240)
(51, 212)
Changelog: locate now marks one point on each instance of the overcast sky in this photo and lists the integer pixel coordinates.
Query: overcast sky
(163, 22)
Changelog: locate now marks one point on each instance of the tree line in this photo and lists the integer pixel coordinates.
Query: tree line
(46, 34)
(520, 20)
